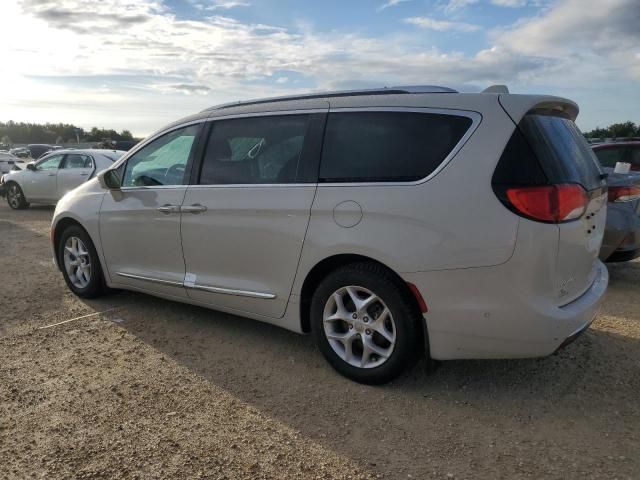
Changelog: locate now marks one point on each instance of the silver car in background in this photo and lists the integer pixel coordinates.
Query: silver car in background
(387, 222)
(7, 161)
(621, 241)
(48, 179)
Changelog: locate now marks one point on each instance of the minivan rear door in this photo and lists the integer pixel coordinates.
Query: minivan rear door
(245, 216)
(567, 158)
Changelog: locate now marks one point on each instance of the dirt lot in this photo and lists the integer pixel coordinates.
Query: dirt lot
(163, 390)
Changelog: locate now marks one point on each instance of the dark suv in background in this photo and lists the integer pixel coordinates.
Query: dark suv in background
(622, 235)
(610, 153)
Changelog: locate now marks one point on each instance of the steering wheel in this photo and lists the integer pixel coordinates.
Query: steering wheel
(175, 171)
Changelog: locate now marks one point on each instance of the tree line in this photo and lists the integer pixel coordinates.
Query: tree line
(615, 130)
(56, 133)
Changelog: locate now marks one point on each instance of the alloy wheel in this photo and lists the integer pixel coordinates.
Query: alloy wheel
(359, 327)
(77, 262)
(14, 196)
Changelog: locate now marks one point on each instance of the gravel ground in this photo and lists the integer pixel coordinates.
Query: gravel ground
(156, 389)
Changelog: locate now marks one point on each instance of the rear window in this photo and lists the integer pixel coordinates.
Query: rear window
(563, 153)
(387, 146)
(608, 157)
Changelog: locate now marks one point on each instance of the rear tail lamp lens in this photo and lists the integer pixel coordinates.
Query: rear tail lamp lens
(549, 203)
(624, 194)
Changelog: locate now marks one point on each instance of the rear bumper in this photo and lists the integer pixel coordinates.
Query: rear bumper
(481, 319)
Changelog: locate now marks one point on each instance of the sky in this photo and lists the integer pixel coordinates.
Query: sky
(140, 64)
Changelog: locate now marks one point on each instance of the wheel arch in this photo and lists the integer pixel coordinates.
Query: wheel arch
(328, 265)
(60, 226)
(8, 182)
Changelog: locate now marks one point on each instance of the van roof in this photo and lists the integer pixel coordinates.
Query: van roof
(406, 96)
(407, 89)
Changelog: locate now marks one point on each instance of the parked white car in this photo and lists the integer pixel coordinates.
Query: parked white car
(48, 179)
(387, 222)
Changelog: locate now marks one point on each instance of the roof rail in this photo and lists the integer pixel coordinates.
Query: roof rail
(340, 93)
(496, 89)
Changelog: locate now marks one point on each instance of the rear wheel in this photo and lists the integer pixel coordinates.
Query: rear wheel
(365, 323)
(80, 264)
(15, 197)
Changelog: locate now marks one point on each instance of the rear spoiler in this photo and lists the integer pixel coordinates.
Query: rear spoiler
(517, 106)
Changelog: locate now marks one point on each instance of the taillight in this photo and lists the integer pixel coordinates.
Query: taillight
(624, 194)
(549, 203)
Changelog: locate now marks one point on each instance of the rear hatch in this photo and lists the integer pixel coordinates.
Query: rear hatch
(567, 159)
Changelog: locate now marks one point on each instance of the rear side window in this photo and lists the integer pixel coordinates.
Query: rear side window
(563, 153)
(75, 160)
(387, 146)
(255, 150)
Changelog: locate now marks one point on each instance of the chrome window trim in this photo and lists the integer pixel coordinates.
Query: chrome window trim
(475, 117)
(149, 279)
(249, 185)
(270, 113)
(154, 187)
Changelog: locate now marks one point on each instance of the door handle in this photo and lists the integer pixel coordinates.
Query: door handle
(167, 209)
(51, 174)
(84, 174)
(196, 208)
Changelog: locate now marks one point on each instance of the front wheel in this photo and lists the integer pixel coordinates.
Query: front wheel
(365, 323)
(80, 264)
(15, 197)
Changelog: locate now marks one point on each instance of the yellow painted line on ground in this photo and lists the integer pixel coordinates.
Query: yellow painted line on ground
(78, 318)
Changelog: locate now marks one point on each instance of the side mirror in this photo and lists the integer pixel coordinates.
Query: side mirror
(31, 166)
(109, 180)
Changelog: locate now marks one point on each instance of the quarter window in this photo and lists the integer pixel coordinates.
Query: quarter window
(254, 150)
(163, 161)
(388, 146)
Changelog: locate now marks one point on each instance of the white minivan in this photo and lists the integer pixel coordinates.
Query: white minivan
(389, 223)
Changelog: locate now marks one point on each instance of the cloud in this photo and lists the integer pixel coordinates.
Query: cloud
(509, 3)
(453, 6)
(138, 48)
(226, 5)
(582, 29)
(441, 25)
(390, 3)
(187, 88)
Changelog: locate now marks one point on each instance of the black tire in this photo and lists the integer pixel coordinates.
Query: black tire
(96, 285)
(406, 318)
(15, 196)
